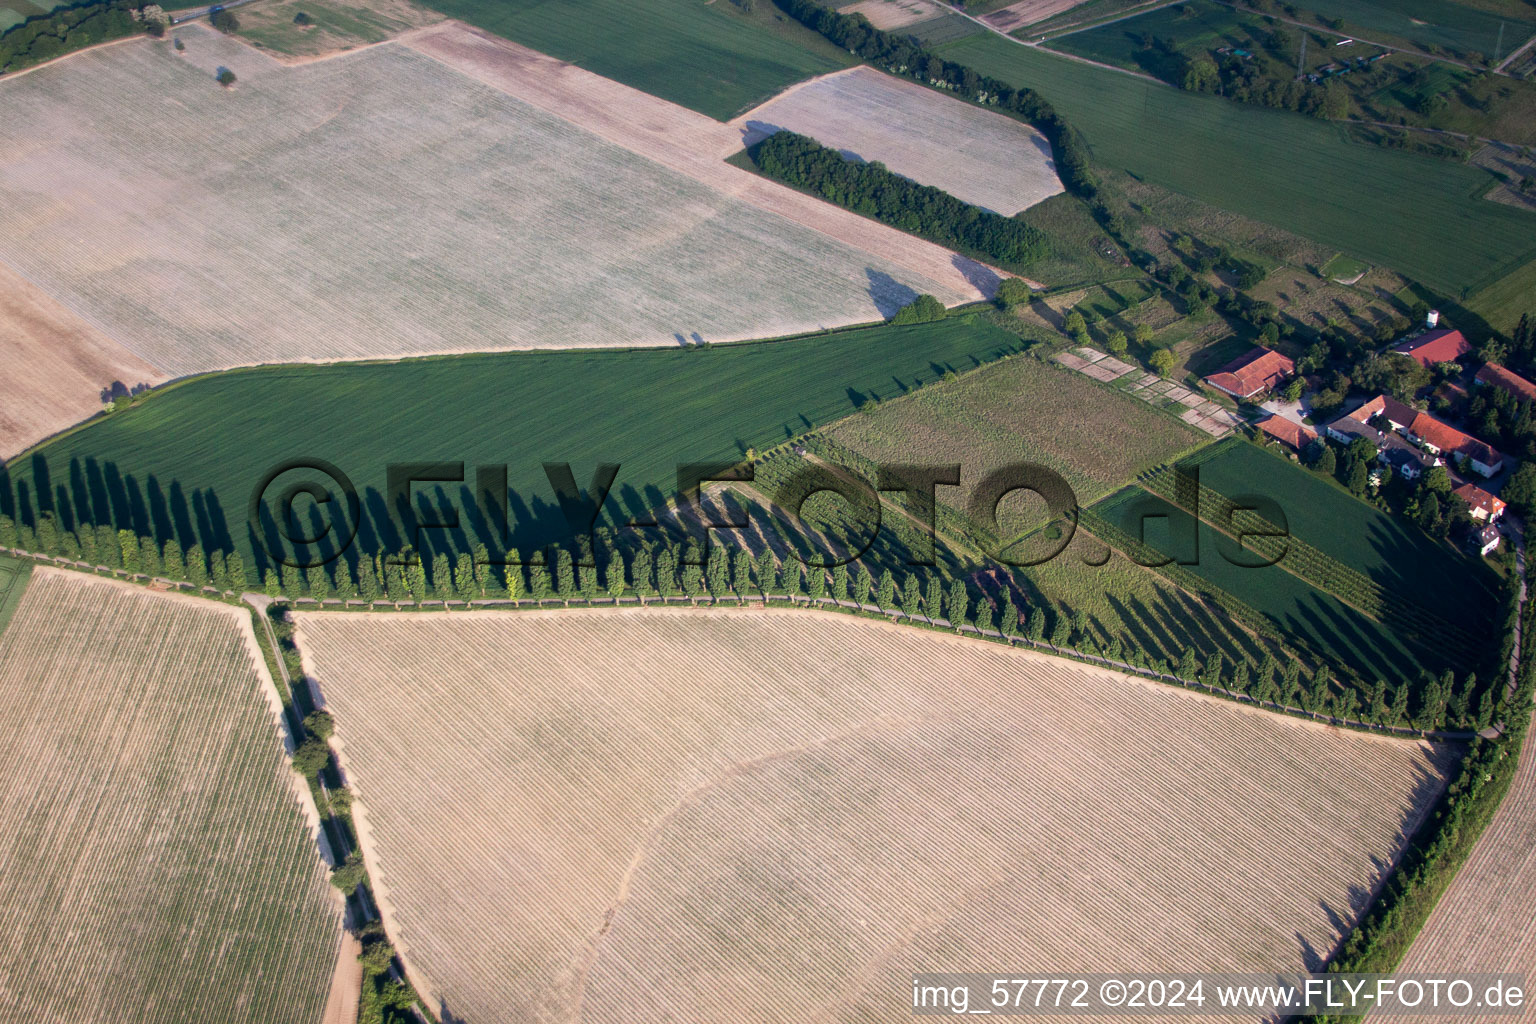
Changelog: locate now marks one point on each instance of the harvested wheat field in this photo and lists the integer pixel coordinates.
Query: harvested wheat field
(892, 14)
(979, 156)
(1027, 12)
(1486, 921)
(56, 366)
(744, 815)
(380, 203)
(156, 863)
(687, 142)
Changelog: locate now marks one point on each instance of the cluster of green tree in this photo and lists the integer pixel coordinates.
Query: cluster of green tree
(924, 309)
(871, 190)
(905, 55)
(70, 28)
(1438, 850)
(122, 549)
(1258, 79)
(1428, 500)
(1497, 416)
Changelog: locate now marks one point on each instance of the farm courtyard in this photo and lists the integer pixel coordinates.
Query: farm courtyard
(673, 811)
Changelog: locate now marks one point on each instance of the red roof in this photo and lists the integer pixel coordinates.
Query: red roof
(1477, 498)
(1386, 405)
(1448, 439)
(1500, 377)
(1431, 347)
(1256, 370)
(1292, 433)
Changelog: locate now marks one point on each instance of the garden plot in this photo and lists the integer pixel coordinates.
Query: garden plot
(158, 863)
(748, 815)
(977, 155)
(381, 203)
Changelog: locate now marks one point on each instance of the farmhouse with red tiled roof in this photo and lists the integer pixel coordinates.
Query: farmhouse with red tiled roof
(1288, 432)
(1439, 346)
(1484, 506)
(1501, 377)
(1441, 437)
(1388, 408)
(1256, 370)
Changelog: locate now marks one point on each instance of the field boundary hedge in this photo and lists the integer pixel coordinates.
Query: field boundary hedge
(872, 191)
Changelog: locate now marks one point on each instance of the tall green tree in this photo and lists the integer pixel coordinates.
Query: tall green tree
(565, 575)
(957, 608)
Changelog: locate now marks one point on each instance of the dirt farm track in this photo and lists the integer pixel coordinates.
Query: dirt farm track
(733, 814)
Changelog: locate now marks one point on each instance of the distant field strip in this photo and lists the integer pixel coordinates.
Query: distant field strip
(382, 204)
(1486, 921)
(1417, 214)
(703, 56)
(892, 14)
(1437, 23)
(743, 816)
(155, 864)
(977, 155)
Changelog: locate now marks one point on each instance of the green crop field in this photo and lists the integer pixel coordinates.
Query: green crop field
(184, 462)
(699, 55)
(1022, 410)
(1502, 303)
(1417, 214)
(1433, 23)
(1308, 618)
(1391, 551)
(13, 580)
(14, 12)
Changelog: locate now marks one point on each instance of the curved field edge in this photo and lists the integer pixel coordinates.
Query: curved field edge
(205, 443)
(189, 884)
(588, 718)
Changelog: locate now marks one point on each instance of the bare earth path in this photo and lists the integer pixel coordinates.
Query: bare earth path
(55, 365)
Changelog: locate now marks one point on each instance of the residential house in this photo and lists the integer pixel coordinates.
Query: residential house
(1500, 377)
(1485, 507)
(1406, 460)
(1438, 346)
(1257, 370)
(1287, 432)
(1486, 540)
(1439, 438)
(1435, 436)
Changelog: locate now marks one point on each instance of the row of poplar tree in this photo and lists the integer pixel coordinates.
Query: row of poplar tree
(734, 573)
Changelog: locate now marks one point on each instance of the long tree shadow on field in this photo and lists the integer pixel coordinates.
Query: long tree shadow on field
(888, 294)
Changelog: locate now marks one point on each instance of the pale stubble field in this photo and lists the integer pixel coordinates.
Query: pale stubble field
(736, 816)
(156, 861)
(381, 203)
